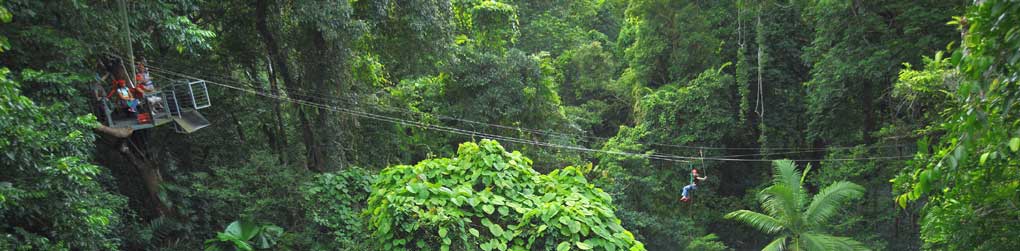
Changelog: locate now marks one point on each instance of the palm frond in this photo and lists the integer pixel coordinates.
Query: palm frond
(815, 241)
(811, 242)
(825, 204)
(762, 222)
(807, 168)
(779, 244)
(786, 174)
(781, 202)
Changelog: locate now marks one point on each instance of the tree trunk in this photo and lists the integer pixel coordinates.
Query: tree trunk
(321, 82)
(238, 128)
(277, 60)
(313, 154)
(151, 178)
(867, 103)
(115, 132)
(280, 145)
(271, 138)
(270, 42)
(149, 173)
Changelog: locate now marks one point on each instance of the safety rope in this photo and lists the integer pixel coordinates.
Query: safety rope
(704, 169)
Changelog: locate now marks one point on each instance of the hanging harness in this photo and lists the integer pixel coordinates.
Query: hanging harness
(693, 177)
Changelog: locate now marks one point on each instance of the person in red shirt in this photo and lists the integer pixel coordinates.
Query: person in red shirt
(142, 77)
(689, 189)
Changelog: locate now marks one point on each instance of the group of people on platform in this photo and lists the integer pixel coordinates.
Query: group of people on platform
(131, 96)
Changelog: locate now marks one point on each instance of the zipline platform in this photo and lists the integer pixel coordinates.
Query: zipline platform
(190, 121)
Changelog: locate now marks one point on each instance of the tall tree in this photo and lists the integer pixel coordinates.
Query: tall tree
(854, 56)
(966, 177)
(786, 215)
(275, 64)
(667, 42)
(413, 37)
(51, 196)
(556, 26)
(779, 38)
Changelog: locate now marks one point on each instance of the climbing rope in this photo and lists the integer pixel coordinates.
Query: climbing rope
(761, 98)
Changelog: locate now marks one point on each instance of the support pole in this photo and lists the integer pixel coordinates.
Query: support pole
(126, 30)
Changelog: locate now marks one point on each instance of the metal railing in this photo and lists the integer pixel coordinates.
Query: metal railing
(199, 94)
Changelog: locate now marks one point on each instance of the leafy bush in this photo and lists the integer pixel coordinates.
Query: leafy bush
(707, 242)
(334, 201)
(493, 200)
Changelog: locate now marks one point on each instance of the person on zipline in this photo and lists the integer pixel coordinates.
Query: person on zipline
(695, 180)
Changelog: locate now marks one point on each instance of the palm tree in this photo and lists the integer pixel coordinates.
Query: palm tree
(797, 226)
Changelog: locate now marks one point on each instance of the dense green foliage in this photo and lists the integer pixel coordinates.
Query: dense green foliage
(51, 196)
(966, 170)
(491, 199)
(334, 201)
(613, 101)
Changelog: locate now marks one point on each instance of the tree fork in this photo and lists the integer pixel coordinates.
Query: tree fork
(151, 177)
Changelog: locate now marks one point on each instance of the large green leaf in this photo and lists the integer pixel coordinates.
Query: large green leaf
(268, 236)
(243, 229)
(564, 246)
(583, 246)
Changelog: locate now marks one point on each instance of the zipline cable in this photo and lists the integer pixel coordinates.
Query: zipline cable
(351, 100)
(490, 134)
(536, 131)
(384, 118)
(320, 97)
